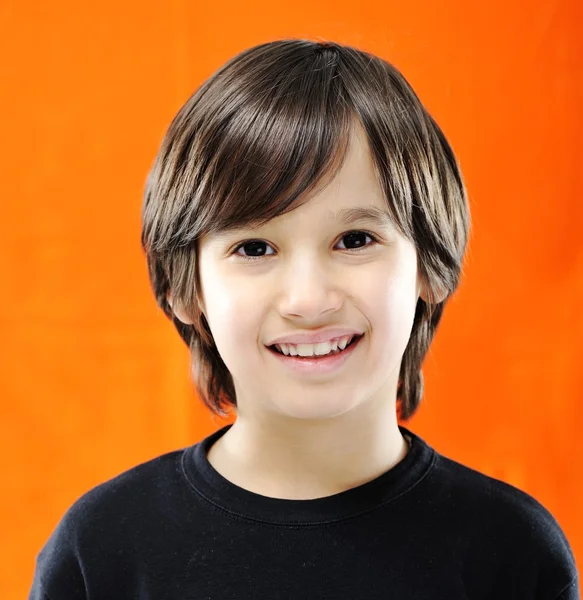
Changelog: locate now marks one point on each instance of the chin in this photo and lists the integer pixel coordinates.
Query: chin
(312, 408)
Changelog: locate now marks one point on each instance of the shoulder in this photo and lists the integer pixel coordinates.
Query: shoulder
(142, 489)
(106, 520)
(493, 498)
(512, 524)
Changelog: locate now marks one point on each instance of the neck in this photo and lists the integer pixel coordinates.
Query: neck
(300, 459)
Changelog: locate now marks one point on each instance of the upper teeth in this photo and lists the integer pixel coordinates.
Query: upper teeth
(314, 349)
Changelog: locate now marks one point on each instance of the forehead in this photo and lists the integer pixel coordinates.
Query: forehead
(353, 194)
(355, 186)
(349, 194)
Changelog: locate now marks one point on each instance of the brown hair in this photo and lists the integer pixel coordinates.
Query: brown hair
(263, 133)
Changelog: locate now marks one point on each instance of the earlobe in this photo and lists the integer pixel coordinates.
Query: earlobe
(432, 296)
(440, 295)
(179, 311)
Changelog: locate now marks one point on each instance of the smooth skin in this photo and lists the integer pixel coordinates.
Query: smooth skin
(297, 436)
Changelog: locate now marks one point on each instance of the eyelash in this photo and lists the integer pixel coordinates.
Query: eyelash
(374, 238)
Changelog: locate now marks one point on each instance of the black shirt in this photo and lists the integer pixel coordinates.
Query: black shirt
(173, 528)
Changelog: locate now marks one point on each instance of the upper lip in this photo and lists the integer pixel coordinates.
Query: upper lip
(315, 337)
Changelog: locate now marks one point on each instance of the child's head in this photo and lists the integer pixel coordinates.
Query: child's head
(251, 228)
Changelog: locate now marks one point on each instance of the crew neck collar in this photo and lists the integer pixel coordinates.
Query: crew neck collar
(242, 503)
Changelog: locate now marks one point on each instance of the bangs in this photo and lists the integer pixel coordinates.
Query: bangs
(249, 148)
(272, 127)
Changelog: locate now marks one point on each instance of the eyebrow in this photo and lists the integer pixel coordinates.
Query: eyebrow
(345, 216)
(372, 214)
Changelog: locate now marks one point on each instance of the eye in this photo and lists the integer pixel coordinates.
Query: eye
(255, 247)
(358, 238)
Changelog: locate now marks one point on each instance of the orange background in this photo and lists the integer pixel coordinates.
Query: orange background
(94, 379)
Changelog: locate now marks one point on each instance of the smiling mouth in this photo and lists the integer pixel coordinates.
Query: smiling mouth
(353, 341)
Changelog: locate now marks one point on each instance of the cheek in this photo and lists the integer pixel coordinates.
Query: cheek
(233, 315)
(390, 306)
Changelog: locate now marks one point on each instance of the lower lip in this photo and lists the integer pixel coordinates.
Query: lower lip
(319, 366)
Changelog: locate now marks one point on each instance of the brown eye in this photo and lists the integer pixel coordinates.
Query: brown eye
(252, 249)
(355, 240)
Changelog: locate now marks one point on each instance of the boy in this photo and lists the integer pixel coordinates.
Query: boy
(305, 223)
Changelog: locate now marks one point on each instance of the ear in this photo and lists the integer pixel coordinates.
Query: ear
(431, 296)
(179, 311)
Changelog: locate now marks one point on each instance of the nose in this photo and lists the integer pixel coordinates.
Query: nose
(309, 290)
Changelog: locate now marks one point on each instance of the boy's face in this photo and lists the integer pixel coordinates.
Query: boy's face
(306, 278)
